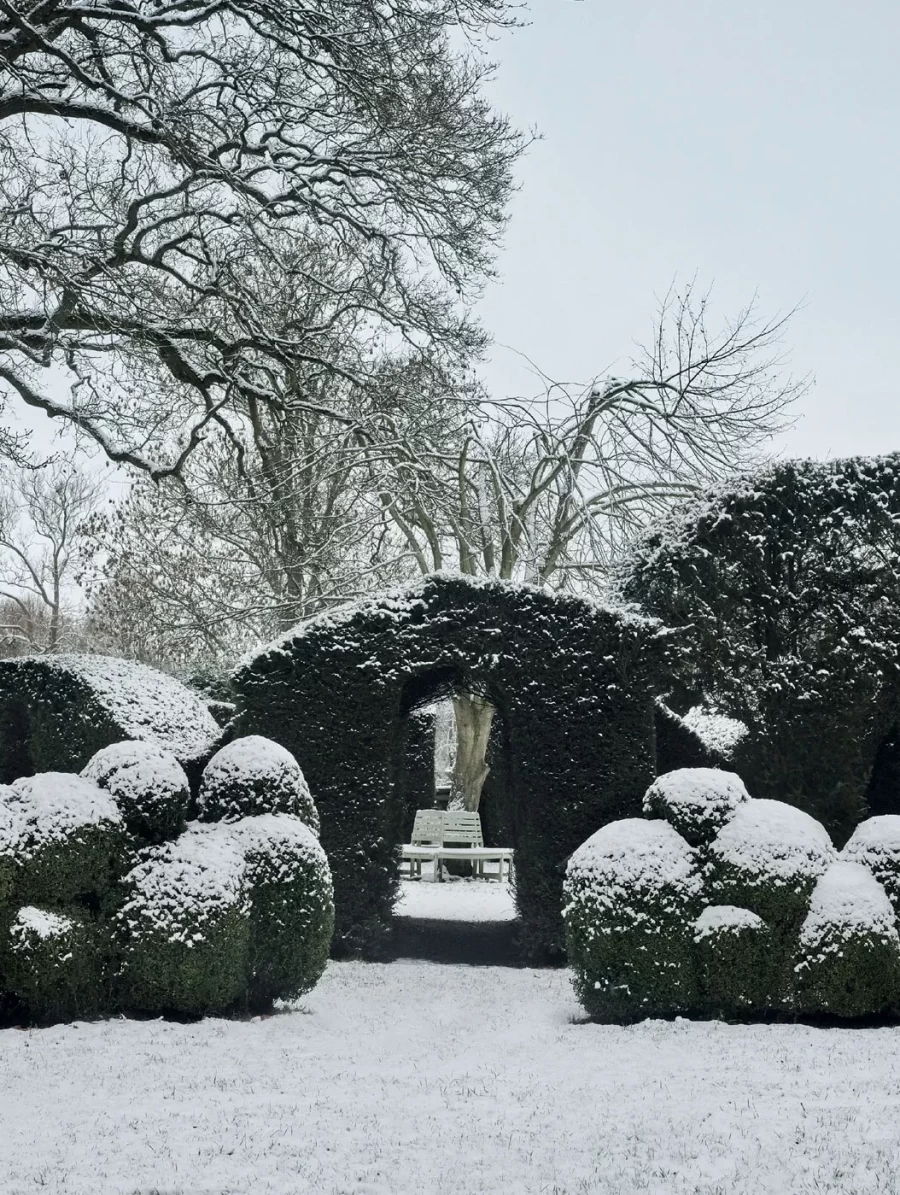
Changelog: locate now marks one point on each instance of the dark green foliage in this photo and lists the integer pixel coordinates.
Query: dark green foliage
(58, 711)
(291, 906)
(738, 963)
(148, 785)
(416, 781)
(848, 959)
(697, 802)
(184, 929)
(632, 892)
(70, 840)
(53, 964)
(572, 683)
(876, 845)
(677, 745)
(254, 775)
(786, 586)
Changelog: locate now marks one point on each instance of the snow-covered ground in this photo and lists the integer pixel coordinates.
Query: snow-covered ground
(414, 1077)
(455, 900)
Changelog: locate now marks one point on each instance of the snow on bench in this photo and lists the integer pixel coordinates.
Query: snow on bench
(439, 835)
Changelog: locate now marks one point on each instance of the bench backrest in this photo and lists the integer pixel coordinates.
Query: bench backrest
(428, 827)
(463, 828)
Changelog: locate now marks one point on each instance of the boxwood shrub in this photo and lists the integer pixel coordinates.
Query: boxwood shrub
(254, 775)
(632, 893)
(848, 956)
(70, 839)
(572, 683)
(697, 802)
(291, 905)
(53, 964)
(739, 973)
(148, 785)
(875, 843)
(183, 930)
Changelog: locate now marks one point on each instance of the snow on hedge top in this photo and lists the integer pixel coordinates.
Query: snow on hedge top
(773, 841)
(51, 806)
(266, 831)
(39, 923)
(696, 802)
(145, 765)
(847, 901)
(875, 844)
(629, 855)
(716, 732)
(147, 704)
(181, 885)
(725, 919)
(254, 775)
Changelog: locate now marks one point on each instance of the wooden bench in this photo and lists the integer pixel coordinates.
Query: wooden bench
(440, 835)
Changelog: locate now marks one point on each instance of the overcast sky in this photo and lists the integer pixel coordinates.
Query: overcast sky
(754, 145)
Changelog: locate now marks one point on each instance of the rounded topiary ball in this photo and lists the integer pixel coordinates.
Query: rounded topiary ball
(9, 840)
(631, 894)
(697, 802)
(183, 931)
(291, 905)
(735, 961)
(52, 964)
(848, 957)
(875, 843)
(147, 783)
(767, 858)
(70, 839)
(254, 775)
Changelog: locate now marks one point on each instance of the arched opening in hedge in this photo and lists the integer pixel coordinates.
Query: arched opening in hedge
(574, 742)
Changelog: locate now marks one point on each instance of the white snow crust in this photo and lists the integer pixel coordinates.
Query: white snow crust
(51, 806)
(148, 705)
(875, 843)
(723, 919)
(848, 900)
(717, 732)
(40, 923)
(696, 795)
(773, 840)
(272, 833)
(413, 1077)
(135, 772)
(629, 854)
(456, 899)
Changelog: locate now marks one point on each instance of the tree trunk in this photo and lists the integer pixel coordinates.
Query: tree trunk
(474, 716)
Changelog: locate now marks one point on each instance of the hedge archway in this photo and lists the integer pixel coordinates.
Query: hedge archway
(572, 684)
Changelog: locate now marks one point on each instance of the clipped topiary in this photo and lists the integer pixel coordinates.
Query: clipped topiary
(148, 784)
(697, 802)
(52, 964)
(291, 905)
(632, 892)
(184, 928)
(734, 961)
(875, 844)
(9, 841)
(70, 839)
(254, 775)
(848, 959)
(767, 858)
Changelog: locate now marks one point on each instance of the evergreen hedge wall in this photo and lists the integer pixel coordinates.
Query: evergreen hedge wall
(571, 681)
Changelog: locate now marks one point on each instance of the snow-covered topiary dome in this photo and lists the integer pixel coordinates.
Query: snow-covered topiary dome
(254, 775)
(875, 843)
(697, 802)
(148, 785)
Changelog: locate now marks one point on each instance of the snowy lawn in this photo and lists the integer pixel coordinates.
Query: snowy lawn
(455, 900)
(414, 1077)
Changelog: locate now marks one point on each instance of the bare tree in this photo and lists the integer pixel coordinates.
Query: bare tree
(42, 511)
(550, 491)
(164, 166)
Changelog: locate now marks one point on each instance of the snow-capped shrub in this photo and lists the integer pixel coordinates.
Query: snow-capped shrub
(70, 838)
(52, 964)
(697, 802)
(738, 970)
(875, 843)
(184, 928)
(767, 858)
(291, 905)
(58, 711)
(631, 894)
(254, 775)
(9, 841)
(848, 960)
(147, 783)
